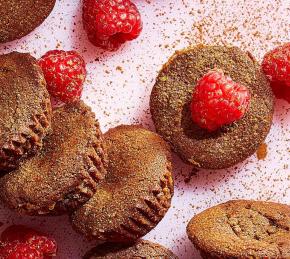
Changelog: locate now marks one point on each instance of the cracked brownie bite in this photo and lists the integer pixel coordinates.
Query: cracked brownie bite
(242, 229)
(136, 192)
(213, 105)
(20, 17)
(65, 173)
(140, 249)
(25, 109)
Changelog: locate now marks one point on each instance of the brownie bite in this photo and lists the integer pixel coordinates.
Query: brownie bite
(20, 17)
(140, 249)
(172, 95)
(136, 192)
(242, 229)
(65, 173)
(25, 109)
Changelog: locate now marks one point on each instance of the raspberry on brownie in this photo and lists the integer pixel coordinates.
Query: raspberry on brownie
(217, 101)
(136, 192)
(20, 17)
(66, 172)
(25, 109)
(235, 115)
(140, 249)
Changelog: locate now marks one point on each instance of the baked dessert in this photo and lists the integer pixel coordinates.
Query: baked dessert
(65, 173)
(136, 192)
(20, 17)
(25, 109)
(140, 249)
(171, 112)
(242, 229)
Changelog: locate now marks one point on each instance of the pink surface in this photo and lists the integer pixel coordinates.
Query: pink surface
(118, 89)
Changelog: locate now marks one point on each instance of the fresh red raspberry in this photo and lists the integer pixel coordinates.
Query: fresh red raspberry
(110, 23)
(276, 66)
(18, 233)
(22, 241)
(217, 100)
(65, 73)
(16, 250)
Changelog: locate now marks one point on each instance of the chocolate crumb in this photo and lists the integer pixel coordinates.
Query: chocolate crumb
(262, 151)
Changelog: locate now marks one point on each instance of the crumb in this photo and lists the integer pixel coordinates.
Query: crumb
(119, 68)
(262, 151)
(193, 172)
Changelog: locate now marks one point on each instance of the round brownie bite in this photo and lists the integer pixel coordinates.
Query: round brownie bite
(65, 173)
(242, 229)
(25, 109)
(136, 192)
(20, 17)
(172, 95)
(140, 249)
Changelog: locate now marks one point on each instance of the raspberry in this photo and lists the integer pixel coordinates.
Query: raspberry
(17, 233)
(22, 242)
(110, 23)
(276, 66)
(46, 245)
(16, 250)
(217, 100)
(65, 73)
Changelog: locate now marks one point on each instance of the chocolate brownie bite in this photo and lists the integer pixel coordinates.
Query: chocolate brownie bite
(140, 249)
(20, 17)
(242, 229)
(136, 192)
(25, 109)
(171, 98)
(65, 173)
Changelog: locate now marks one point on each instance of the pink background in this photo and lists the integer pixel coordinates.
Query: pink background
(122, 97)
